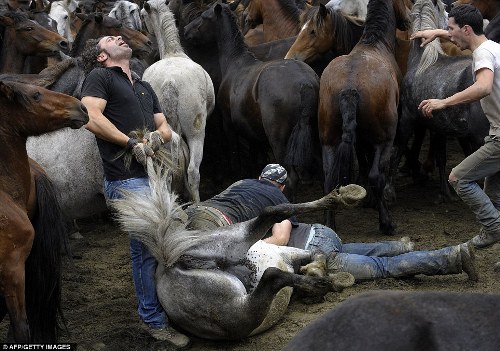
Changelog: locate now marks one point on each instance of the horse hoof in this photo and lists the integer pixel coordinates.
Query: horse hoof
(341, 280)
(352, 194)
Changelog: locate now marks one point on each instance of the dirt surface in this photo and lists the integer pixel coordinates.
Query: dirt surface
(99, 300)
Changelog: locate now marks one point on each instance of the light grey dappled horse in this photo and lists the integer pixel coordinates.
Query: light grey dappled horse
(223, 283)
(184, 88)
(357, 8)
(128, 13)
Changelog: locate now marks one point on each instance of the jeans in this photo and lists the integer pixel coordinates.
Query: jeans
(143, 263)
(482, 164)
(382, 259)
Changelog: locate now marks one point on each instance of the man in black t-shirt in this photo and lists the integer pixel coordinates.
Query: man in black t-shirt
(118, 102)
(245, 200)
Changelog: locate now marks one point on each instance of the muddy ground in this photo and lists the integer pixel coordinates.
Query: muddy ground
(99, 301)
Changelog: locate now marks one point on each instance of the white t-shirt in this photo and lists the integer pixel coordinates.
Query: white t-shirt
(487, 55)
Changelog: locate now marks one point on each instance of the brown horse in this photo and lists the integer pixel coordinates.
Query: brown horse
(358, 106)
(325, 30)
(23, 37)
(28, 210)
(96, 25)
(279, 18)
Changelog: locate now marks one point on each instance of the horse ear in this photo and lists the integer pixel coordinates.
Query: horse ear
(233, 5)
(322, 10)
(6, 90)
(218, 9)
(146, 6)
(98, 17)
(6, 21)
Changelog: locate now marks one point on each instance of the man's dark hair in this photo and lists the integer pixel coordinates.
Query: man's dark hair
(467, 15)
(89, 55)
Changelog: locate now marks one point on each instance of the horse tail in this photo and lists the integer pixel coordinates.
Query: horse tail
(342, 161)
(300, 146)
(155, 218)
(43, 265)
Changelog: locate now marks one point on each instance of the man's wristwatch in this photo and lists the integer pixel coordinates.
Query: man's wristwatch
(131, 143)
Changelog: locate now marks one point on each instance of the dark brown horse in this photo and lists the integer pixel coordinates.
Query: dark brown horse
(23, 37)
(266, 106)
(358, 107)
(30, 220)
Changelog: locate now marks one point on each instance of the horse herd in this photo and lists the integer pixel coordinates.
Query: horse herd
(310, 87)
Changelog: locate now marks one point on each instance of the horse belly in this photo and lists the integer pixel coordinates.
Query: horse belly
(210, 304)
(77, 172)
(263, 256)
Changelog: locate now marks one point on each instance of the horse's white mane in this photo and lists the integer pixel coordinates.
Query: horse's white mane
(165, 31)
(426, 16)
(156, 219)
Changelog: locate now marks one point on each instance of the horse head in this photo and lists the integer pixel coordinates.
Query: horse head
(36, 110)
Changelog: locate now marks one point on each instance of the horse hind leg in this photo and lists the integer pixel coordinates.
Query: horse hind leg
(193, 170)
(378, 182)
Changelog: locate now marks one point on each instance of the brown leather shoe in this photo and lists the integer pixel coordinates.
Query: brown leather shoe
(167, 334)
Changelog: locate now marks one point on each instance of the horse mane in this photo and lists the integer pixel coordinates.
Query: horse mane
(194, 10)
(80, 37)
(340, 28)
(377, 21)
(16, 16)
(171, 40)
(291, 8)
(425, 16)
(239, 42)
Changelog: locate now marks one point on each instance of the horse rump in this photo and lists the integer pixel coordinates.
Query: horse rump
(400, 320)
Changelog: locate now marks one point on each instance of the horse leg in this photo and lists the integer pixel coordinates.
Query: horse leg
(439, 142)
(193, 170)
(328, 153)
(12, 277)
(377, 178)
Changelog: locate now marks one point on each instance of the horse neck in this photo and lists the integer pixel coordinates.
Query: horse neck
(230, 42)
(14, 163)
(277, 22)
(11, 60)
(167, 36)
(380, 26)
(346, 33)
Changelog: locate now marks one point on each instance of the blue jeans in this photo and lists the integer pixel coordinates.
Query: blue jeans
(143, 263)
(382, 259)
(482, 164)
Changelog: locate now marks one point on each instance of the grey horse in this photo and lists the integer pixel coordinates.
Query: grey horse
(224, 283)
